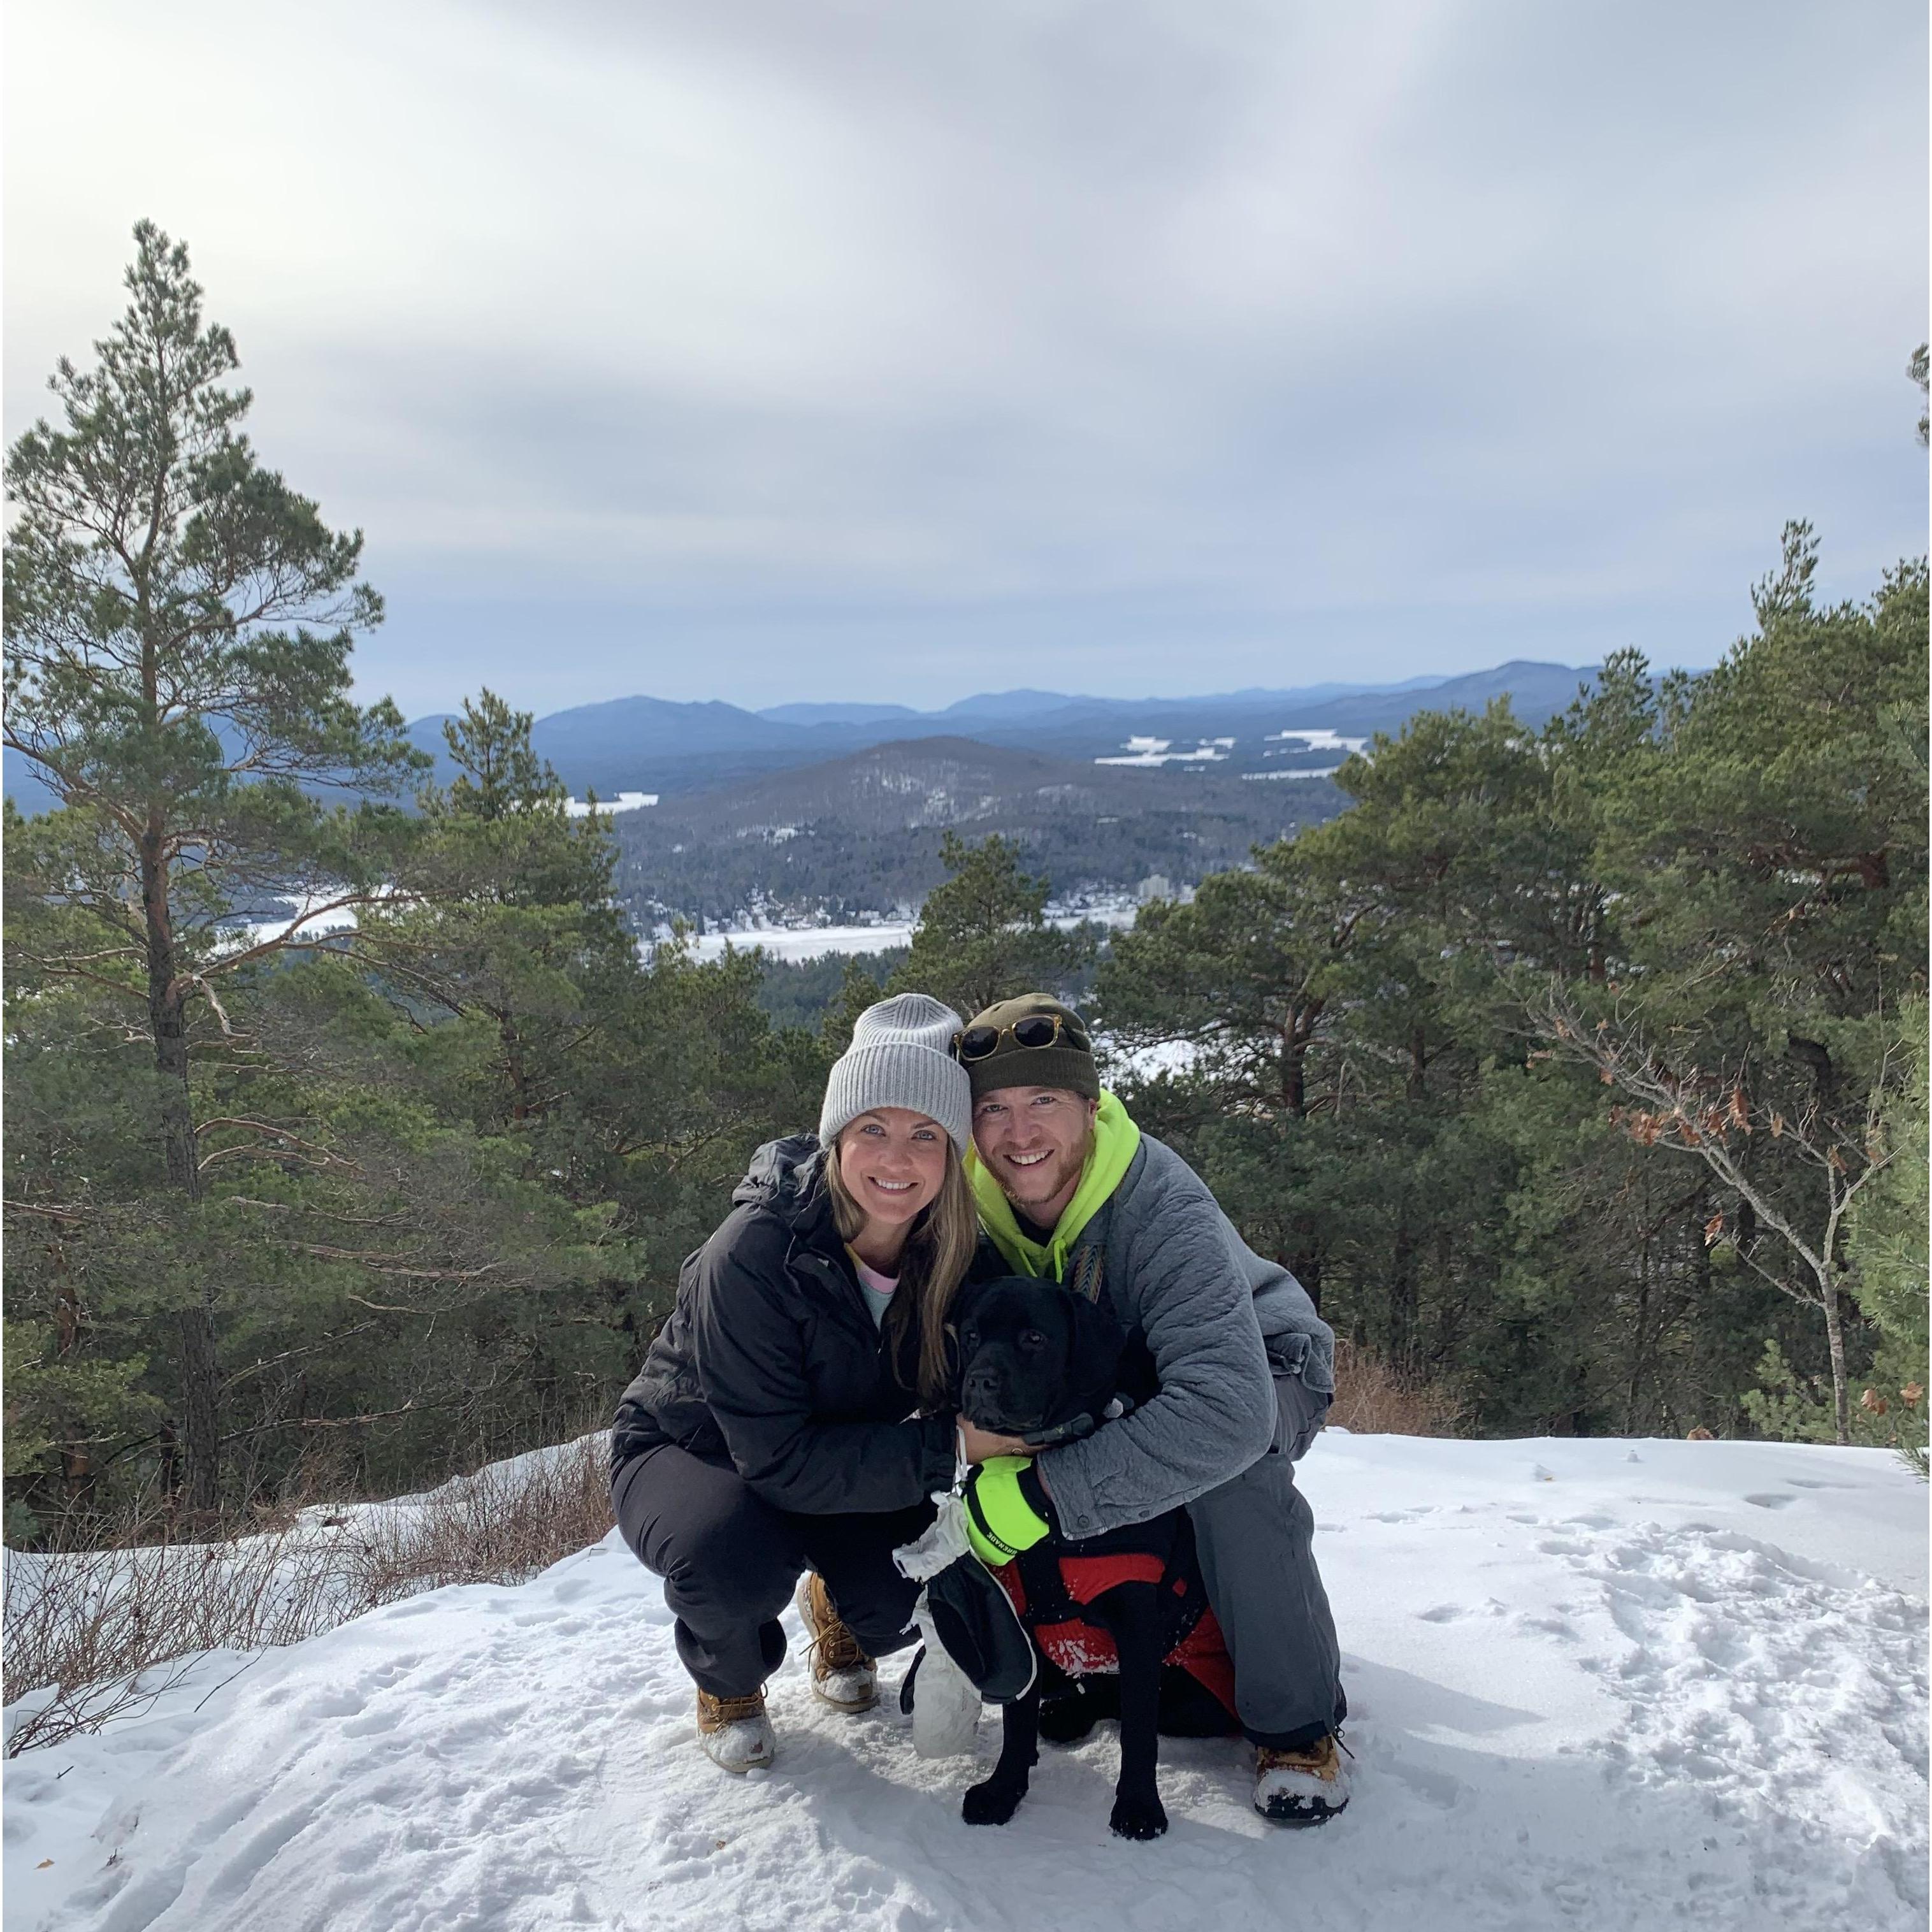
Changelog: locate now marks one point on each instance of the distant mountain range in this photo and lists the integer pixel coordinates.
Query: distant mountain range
(1033, 704)
(654, 745)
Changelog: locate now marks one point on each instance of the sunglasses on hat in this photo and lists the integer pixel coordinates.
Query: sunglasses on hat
(1031, 1030)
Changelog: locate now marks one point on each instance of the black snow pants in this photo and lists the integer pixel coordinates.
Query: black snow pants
(729, 1561)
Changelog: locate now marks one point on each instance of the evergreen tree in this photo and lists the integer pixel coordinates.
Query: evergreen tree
(1243, 976)
(983, 936)
(450, 1163)
(1887, 1245)
(178, 622)
(1773, 862)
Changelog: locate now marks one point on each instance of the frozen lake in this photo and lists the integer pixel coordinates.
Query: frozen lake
(815, 942)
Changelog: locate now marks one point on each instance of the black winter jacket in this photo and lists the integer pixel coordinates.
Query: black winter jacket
(770, 1360)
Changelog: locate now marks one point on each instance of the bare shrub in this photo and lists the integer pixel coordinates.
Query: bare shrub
(104, 1631)
(1372, 1398)
(502, 1524)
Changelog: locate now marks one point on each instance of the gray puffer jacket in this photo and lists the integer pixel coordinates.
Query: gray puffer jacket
(1221, 1325)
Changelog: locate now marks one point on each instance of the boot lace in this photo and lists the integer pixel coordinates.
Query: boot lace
(1318, 1757)
(736, 1710)
(838, 1648)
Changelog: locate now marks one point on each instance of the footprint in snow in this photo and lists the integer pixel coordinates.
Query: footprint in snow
(343, 1702)
(373, 1723)
(1771, 1500)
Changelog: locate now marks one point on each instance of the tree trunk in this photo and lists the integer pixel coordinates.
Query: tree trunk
(1640, 1339)
(1293, 1093)
(170, 1452)
(513, 1067)
(1402, 1303)
(167, 1020)
(1835, 1333)
(1305, 1265)
(200, 1380)
(1596, 967)
(77, 1463)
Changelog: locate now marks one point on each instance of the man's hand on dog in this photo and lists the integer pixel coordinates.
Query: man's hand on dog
(980, 1445)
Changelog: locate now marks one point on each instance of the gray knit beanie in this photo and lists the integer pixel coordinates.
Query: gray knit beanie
(901, 1056)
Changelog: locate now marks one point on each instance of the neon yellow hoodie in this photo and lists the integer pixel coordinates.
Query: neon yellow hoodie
(1115, 1139)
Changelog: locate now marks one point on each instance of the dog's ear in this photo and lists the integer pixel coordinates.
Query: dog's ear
(1094, 1342)
(965, 1298)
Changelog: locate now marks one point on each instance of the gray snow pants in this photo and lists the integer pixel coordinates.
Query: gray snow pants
(1256, 1538)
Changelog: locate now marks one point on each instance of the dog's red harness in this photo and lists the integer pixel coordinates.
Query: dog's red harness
(1048, 1588)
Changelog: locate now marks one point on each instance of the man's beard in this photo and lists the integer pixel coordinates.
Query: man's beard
(1045, 1183)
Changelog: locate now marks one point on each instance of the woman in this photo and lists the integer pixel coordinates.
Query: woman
(772, 1429)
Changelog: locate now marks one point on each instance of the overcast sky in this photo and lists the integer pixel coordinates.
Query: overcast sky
(770, 349)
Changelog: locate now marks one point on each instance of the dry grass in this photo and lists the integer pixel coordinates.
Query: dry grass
(1372, 1399)
(104, 1631)
(501, 1525)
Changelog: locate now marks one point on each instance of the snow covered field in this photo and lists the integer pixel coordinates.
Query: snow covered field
(1596, 1683)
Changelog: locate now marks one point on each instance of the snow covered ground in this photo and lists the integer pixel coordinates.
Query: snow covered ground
(815, 942)
(1596, 1683)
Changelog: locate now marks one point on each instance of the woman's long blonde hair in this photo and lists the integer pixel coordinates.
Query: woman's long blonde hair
(938, 1250)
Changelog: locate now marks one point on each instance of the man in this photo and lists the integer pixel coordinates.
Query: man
(1070, 1188)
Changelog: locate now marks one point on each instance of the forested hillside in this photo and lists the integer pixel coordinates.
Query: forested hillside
(864, 834)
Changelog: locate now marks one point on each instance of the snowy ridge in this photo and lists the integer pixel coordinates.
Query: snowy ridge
(1595, 1684)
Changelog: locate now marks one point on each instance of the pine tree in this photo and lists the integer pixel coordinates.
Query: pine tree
(178, 623)
(983, 935)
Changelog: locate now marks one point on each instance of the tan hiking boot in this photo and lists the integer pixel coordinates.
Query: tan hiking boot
(842, 1675)
(1301, 1787)
(735, 1732)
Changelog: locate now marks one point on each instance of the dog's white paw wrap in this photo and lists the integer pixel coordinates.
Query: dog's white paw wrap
(939, 1548)
(945, 1700)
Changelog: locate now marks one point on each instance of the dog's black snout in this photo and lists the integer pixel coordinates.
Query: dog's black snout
(980, 1389)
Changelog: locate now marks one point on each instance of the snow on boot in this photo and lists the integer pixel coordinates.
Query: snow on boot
(842, 1675)
(735, 1732)
(1306, 1786)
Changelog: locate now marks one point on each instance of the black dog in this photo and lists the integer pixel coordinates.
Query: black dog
(1036, 1360)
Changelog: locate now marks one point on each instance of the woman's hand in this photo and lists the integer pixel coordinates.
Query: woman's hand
(980, 1445)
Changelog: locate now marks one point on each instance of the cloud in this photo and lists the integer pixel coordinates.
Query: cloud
(766, 349)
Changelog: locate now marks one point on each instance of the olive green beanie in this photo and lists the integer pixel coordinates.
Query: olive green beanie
(1068, 1062)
